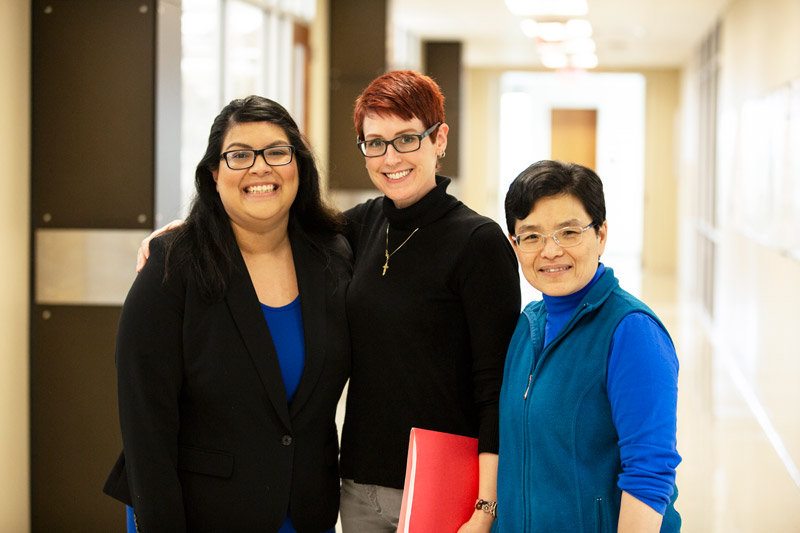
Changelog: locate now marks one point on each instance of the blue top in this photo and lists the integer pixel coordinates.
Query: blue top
(562, 459)
(286, 328)
(642, 392)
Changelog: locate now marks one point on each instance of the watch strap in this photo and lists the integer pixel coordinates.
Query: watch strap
(487, 507)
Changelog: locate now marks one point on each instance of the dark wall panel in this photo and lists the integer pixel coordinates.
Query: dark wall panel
(74, 430)
(357, 56)
(93, 165)
(443, 64)
(93, 113)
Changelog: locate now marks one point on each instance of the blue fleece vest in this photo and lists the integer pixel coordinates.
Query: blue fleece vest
(559, 457)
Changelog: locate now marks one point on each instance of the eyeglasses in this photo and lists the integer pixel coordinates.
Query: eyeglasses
(410, 142)
(274, 156)
(565, 237)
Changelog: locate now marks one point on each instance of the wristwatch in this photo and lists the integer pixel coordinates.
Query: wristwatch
(487, 507)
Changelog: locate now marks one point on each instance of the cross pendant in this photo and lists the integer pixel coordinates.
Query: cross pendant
(386, 264)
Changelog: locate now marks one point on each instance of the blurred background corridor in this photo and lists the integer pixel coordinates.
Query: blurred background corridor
(689, 111)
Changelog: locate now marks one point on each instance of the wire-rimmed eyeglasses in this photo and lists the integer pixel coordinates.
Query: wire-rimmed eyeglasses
(408, 142)
(564, 237)
(274, 156)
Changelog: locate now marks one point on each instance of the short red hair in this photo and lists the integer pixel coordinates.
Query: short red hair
(403, 93)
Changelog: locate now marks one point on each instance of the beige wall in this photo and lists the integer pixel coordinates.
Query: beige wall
(478, 188)
(756, 280)
(319, 75)
(662, 101)
(477, 185)
(14, 264)
(760, 45)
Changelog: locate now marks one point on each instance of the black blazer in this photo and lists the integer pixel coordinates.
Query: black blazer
(210, 443)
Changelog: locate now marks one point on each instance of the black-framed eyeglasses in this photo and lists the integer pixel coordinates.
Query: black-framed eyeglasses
(274, 156)
(408, 142)
(564, 237)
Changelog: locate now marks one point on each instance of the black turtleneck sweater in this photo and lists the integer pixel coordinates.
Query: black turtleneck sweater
(429, 338)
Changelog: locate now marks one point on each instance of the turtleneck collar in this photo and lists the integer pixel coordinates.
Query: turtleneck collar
(568, 303)
(429, 208)
(560, 308)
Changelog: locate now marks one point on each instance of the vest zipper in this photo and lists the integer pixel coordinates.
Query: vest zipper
(598, 513)
(528, 388)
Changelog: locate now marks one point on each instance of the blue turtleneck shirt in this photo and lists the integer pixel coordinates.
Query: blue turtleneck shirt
(643, 393)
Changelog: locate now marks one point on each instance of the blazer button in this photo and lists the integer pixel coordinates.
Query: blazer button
(286, 440)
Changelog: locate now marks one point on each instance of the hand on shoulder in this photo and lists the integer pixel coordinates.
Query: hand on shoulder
(144, 249)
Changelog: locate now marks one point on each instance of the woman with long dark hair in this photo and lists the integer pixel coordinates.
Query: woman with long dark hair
(233, 348)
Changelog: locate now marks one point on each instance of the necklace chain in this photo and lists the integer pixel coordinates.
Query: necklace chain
(388, 255)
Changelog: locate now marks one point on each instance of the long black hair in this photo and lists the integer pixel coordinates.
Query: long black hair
(205, 244)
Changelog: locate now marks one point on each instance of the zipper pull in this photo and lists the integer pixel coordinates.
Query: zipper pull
(530, 378)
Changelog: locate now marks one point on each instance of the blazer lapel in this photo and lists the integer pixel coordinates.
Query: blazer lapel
(310, 269)
(243, 304)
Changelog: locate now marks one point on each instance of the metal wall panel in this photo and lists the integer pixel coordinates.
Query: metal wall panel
(85, 267)
(93, 113)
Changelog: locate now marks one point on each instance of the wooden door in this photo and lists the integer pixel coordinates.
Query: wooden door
(574, 136)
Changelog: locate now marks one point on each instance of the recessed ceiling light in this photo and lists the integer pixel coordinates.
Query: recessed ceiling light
(548, 7)
(583, 61)
(551, 31)
(554, 60)
(578, 28)
(580, 46)
(528, 27)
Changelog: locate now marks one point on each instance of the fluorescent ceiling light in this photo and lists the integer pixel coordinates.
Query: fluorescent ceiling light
(579, 29)
(583, 61)
(556, 31)
(551, 31)
(580, 46)
(548, 7)
(529, 27)
(554, 60)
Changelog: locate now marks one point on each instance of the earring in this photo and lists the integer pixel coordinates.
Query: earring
(441, 155)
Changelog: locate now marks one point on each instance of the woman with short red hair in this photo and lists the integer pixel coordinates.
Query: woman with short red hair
(432, 304)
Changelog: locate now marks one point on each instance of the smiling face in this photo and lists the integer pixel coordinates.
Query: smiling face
(553, 270)
(257, 198)
(403, 177)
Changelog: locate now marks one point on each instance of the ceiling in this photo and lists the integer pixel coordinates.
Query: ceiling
(628, 33)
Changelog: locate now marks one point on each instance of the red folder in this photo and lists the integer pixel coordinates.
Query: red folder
(441, 482)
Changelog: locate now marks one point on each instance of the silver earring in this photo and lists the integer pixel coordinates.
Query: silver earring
(441, 156)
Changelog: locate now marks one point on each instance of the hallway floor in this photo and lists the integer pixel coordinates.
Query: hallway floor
(739, 473)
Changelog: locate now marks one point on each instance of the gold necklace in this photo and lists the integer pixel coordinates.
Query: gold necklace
(388, 255)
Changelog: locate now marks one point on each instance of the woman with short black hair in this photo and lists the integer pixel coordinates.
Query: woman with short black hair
(589, 397)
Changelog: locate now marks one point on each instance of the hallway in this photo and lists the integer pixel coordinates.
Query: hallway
(721, 208)
(736, 475)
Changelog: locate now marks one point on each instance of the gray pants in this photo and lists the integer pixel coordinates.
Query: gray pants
(369, 508)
